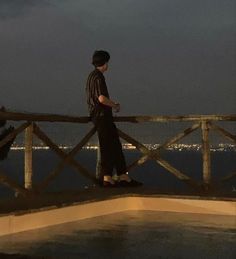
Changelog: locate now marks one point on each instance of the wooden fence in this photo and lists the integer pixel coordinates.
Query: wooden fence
(204, 123)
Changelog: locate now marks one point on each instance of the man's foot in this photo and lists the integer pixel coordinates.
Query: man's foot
(108, 184)
(108, 181)
(126, 181)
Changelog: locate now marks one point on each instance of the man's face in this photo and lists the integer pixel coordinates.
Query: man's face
(105, 66)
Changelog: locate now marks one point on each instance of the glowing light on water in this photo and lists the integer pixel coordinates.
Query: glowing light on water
(174, 147)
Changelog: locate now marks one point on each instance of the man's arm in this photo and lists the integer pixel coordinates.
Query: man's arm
(108, 102)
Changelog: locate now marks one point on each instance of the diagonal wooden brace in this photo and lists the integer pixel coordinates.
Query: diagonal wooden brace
(5, 180)
(180, 136)
(228, 177)
(223, 132)
(41, 135)
(155, 155)
(67, 158)
(140, 161)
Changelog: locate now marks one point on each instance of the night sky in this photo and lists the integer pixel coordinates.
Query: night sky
(167, 56)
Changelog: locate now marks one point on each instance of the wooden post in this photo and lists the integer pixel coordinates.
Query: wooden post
(98, 165)
(206, 159)
(28, 156)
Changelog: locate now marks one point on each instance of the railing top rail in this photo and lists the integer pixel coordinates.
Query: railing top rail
(18, 116)
(169, 118)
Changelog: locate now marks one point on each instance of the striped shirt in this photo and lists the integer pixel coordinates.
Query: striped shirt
(96, 86)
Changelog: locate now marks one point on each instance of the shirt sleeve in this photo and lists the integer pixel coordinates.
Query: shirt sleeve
(99, 88)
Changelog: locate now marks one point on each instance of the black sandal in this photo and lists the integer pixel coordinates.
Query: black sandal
(109, 184)
(132, 183)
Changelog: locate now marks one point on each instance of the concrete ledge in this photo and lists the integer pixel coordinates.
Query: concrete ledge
(11, 224)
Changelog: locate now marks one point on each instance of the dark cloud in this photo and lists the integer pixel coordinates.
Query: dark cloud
(172, 56)
(14, 8)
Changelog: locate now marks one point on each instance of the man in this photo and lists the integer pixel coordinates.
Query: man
(100, 109)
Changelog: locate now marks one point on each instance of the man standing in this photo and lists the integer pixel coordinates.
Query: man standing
(100, 109)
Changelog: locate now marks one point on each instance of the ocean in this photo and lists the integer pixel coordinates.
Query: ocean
(151, 174)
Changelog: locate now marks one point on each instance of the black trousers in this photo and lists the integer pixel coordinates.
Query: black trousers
(110, 147)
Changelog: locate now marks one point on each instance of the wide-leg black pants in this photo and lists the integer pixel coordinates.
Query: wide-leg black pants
(110, 147)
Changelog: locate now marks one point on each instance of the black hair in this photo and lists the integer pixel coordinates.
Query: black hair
(100, 57)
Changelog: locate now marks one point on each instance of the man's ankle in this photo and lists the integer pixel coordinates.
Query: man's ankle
(124, 177)
(108, 178)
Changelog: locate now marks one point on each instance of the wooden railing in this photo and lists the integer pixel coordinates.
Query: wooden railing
(205, 123)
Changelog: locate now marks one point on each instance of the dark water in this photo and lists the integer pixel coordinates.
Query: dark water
(150, 173)
(143, 234)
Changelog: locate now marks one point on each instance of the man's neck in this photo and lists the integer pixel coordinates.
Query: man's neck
(100, 69)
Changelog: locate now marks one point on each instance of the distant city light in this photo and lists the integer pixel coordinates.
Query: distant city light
(127, 146)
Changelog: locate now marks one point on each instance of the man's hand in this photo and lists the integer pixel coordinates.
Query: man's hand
(106, 101)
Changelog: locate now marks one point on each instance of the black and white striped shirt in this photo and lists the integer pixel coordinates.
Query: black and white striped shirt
(96, 86)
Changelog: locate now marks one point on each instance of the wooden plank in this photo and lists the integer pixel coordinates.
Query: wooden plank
(223, 132)
(14, 133)
(206, 158)
(16, 116)
(75, 164)
(228, 177)
(134, 142)
(155, 155)
(98, 163)
(172, 169)
(177, 173)
(62, 164)
(28, 156)
(138, 162)
(179, 136)
(5, 180)
(139, 119)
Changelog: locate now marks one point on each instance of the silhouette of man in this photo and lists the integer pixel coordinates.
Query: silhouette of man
(100, 109)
